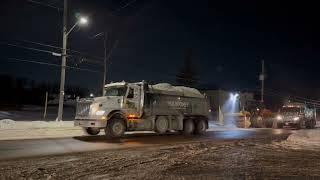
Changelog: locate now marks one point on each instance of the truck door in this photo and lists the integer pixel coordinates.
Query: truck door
(133, 100)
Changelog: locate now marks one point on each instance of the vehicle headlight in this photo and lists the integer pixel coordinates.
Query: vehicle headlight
(100, 113)
(296, 118)
(279, 117)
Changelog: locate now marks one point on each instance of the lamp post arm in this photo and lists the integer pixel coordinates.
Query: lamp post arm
(72, 28)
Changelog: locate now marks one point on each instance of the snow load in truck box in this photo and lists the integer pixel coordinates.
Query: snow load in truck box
(165, 88)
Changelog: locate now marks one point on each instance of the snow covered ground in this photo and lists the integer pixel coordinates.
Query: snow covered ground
(10, 129)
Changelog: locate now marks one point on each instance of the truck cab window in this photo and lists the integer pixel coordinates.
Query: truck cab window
(115, 91)
(131, 93)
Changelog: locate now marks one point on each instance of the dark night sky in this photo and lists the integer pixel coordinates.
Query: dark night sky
(229, 39)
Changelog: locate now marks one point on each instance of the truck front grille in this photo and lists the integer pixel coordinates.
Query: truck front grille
(83, 109)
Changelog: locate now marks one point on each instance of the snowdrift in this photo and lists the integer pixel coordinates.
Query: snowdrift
(11, 124)
(308, 137)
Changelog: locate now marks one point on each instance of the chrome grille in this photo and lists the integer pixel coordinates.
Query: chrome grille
(83, 109)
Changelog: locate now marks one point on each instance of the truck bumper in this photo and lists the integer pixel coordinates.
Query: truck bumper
(90, 123)
(290, 124)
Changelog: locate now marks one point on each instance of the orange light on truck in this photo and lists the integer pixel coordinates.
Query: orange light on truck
(132, 116)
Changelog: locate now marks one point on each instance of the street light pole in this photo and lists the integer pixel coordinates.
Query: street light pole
(64, 59)
(262, 78)
(105, 61)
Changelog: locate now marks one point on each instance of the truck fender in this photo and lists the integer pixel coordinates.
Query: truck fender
(118, 113)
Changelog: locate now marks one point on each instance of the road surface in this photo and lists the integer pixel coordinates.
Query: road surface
(12, 149)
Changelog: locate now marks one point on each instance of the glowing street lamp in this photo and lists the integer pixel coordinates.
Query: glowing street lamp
(83, 20)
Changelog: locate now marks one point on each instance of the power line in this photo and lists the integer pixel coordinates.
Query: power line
(124, 6)
(51, 52)
(297, 97)
(57, 47)
(28, 48)
(45, 4)
(51, 64)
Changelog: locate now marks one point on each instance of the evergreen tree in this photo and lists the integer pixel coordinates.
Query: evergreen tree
(187, 75)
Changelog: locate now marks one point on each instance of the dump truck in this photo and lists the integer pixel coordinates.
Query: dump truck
(143, 107)
(296, 115)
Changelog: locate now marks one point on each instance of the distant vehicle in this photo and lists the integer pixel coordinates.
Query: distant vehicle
(297, 115)
(143, 107)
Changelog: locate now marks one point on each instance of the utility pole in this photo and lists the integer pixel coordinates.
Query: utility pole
(262, 77)
(105, 61)
(64, 59)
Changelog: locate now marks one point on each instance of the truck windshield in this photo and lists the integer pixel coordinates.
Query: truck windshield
(115, 91)
(290, 109)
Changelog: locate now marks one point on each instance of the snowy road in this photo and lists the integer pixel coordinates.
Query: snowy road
(40, 147)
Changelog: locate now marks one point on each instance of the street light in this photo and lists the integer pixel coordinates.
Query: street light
(83, 20)
(80, 21)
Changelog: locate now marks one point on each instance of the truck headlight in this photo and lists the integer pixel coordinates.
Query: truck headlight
(100, 113)
(296, 118)
(279, 118)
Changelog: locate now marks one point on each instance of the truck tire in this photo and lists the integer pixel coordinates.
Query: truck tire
(280, 125)
(201, 127)
(299, 125)
(161, 125)
(311, 124)
(314, 123)
(188, 127)
(115, 128)
(268, 123)
(91, 131)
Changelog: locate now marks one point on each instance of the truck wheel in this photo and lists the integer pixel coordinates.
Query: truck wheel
(115, 128)
(314, 123)
(92, 131)
(201, 127)
(311, 124)
(188, 127)
(268, 123)
(280, 125)
(161, 125)
(299, 125)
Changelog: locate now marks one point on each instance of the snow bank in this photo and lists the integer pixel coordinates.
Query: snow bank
(7, 123)
(308, 137)
(187, 91)
(11, 124)
(11, 130)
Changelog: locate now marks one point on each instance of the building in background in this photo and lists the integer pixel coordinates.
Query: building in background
(221, 98)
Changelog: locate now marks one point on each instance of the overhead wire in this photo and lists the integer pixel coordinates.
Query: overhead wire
(52, 64)
(89, 60)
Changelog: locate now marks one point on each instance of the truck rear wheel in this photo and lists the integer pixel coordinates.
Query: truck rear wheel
(161, 125)
(115, 128)
(188, 127)
(92, 130)
(201, 127)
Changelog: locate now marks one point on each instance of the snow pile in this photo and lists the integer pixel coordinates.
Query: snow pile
(310, 137)
(11, 124)
(186, 91)
(7, 123)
